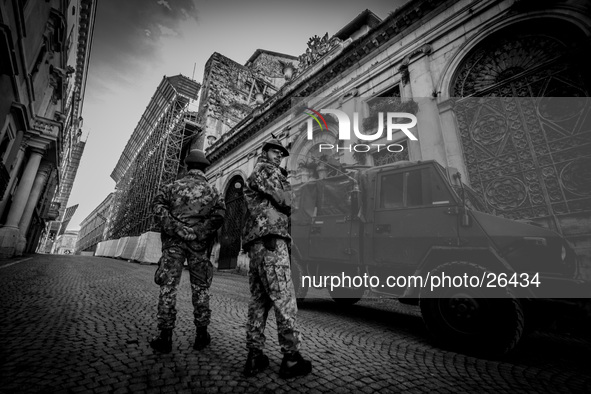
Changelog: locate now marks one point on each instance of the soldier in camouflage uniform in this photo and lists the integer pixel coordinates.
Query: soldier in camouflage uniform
(190, 211)
(267, 240)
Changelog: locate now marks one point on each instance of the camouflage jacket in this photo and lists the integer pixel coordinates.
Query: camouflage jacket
(189, 202)
(268, 197)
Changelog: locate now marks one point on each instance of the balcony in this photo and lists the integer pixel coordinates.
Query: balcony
(47, 127)
(54, 211)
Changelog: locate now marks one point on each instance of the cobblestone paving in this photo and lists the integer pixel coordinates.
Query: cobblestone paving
(71, 324)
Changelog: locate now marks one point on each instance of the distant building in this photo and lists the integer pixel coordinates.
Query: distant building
(94, 227)
(66, 243)
(46, 244)
(68, 175)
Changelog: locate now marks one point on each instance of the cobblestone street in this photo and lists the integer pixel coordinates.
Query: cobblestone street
(81, 324)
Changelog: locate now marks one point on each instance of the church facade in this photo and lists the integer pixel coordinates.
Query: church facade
(499, 90)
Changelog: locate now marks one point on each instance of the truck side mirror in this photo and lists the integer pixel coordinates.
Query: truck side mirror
(456, 179)
(465, 218)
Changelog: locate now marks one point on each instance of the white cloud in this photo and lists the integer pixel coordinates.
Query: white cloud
(166, 31)
(164, 3)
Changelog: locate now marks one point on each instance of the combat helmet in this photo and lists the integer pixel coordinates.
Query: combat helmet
(197, 156)
(274, 143)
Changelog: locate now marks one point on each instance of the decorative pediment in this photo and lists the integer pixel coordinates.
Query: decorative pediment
(317, 48)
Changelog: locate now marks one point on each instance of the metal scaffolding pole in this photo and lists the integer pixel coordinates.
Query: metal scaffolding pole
(152, 156)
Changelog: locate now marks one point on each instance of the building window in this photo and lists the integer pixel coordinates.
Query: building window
(385, 157)
(374, 104)
(40, 57)
(388, 101)
(6, 143)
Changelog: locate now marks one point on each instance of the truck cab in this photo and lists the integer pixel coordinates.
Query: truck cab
(418, 220)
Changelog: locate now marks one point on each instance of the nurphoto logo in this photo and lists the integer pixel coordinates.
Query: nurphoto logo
(394, 121)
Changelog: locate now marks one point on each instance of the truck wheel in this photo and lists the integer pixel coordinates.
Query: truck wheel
(476, 320)
(297, 271)
(346, 296)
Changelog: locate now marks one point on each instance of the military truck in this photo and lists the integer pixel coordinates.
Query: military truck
(418, 219)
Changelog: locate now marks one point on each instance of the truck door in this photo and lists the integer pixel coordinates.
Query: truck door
(330, 232)
(411, 215)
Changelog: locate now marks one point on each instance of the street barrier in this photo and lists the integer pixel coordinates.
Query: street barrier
(148, 249)
(121, 245)
(111, 248)
(100, 249)
(129, 248)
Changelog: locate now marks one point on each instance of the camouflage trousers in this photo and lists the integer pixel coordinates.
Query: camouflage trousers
(168, 277)
(271, 286)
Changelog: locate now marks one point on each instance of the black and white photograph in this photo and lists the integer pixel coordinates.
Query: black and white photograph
(232, 196)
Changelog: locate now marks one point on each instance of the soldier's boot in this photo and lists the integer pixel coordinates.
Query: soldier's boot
(163, 342)
(294, 365)
(255, 362)
(202, 339)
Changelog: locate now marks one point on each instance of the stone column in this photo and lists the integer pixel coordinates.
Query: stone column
(431, 141)
(453, 143)
(40, 180)
(9, 234)
(19, 161)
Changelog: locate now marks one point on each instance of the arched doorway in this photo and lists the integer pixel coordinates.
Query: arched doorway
(523, 113)
(231, 235)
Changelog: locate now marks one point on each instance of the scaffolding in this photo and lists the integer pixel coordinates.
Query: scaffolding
(153, 155)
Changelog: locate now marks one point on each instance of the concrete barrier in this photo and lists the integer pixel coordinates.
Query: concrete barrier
(215, 255)
(100, 247)
(125, 247)
(121, 244)
(87, 254)
(148, 249)
(111, 247)
(129, 249)
(243, 262)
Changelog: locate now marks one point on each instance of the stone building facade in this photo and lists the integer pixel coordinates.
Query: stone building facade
(501, 92)
(44, 55)
(229, 95)
(231, 91)
(93, 229)
(65, 243)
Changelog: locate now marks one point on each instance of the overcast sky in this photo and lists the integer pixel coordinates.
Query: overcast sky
(137, 42)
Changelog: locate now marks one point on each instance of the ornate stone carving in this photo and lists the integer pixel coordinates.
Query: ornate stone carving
(527, 156)
(489, 129)
(492, 64)
(576, 177)
(504, 193)
(317, 48)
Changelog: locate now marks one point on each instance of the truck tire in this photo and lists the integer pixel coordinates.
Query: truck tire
(297, 271)
(480, 321)
(346, 296)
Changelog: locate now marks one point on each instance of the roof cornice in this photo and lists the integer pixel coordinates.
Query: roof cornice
(393, 26)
